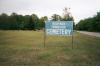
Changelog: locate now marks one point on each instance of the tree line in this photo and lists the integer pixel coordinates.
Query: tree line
(33, 22)
(90, 24)
(29, 22)
(20, 22)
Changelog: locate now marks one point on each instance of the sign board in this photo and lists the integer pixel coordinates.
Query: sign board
(60, 28)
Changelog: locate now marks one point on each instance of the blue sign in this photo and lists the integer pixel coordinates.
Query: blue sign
(61, 28)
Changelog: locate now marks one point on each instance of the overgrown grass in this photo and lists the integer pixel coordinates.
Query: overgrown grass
(27, 48)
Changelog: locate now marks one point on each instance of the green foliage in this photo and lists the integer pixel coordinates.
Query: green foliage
(20, 22)
(42, 21)
(29, 22)
(4, 21)
(90, 24)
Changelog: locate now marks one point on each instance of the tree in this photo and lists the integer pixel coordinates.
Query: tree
(26, 22)
(13, 21)
(55, 17)
(90, 24)
(35, 20)
(42, 21)
(67, 15)
(4, 21)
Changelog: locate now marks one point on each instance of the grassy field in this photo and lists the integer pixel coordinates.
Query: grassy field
(26, 48)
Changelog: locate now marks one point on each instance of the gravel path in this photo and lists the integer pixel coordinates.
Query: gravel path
(90, 33)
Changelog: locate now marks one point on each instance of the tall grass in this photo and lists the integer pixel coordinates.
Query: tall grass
(27, 48)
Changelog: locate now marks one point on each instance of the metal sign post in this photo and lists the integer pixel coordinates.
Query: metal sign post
(44, 36)
(72, 40)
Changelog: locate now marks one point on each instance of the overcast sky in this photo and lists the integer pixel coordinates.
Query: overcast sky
(79, 9)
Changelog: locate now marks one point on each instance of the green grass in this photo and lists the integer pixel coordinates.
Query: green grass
(27, 48)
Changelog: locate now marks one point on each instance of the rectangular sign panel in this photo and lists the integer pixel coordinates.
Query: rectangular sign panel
(60, 28)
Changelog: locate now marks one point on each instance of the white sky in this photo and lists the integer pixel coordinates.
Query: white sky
(79, 9)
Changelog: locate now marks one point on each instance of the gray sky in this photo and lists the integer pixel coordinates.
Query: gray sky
(79, 9)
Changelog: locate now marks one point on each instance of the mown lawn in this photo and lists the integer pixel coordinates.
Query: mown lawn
(26, 48)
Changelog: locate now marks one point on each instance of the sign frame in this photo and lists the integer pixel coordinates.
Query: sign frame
(56, 35)
(59, 28)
